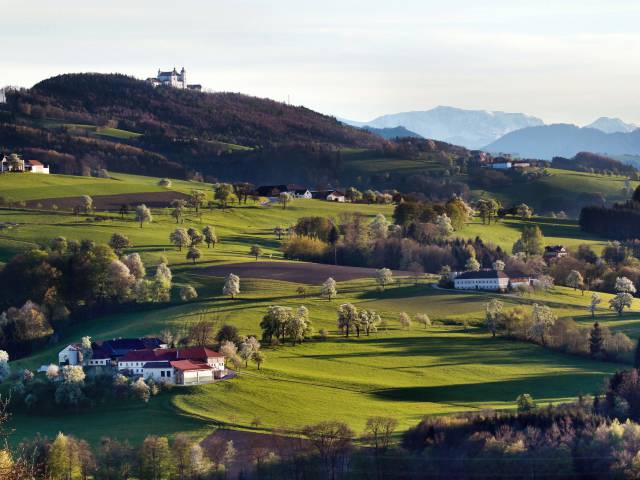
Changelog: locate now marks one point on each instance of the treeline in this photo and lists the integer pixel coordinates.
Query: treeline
(620, 221)
(44, 290)
(594, 163)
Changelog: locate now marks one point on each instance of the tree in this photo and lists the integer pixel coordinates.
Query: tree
(123, 210)
(231, 286)
(181, 450)
(575, 280)
(59, 244)
(379, 432)
(621, 301)
(298, 326)
(197, 198)
(347, 317)
(636, 357)
(193, 254)
(5, 369)
(595, 340)
(188, 293)
(532, 240)
(179, 206)
(143, 214)
(201, 333)
(274, 322)
(333, 237)
(134, 263)
(487, 209)
(383, 277)
(119, 280)
(498, 265)
(86, 203)
(155, 458)
(524, 211)
(118, 242)
(224, 193)
(333, 442)
(379, 228)
(164, 182)
(63, 461)
(543, 319)
(443, 222)
(230, 352)
(405, 320)
(493, 312)
(593, 304)
(472, 265)
(161, 285)
(328, 289)
(417, 270)
(623, 284)
(353, 194)
(195, 236)
(227, 333)
(210, 236)
(525, 403)
(259, 357)
(367, 320)
(256, 251)
(423, 319)
(141, 390)
(180, 238)
(285, 198)
(247, 349)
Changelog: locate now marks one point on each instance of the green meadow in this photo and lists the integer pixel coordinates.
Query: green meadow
(453, 366)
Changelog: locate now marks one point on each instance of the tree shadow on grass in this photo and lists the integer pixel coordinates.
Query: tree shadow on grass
(543, 386)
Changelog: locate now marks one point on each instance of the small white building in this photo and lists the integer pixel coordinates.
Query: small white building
(34, 166)
(494, 280)
(302, 193)
(336, 196)
(501, 165)
(70, 355)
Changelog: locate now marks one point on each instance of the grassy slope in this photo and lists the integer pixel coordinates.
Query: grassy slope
(405, 374)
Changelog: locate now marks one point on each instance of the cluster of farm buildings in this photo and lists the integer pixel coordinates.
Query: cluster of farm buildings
(16, 164)
(497, 280)
(148, 358)
(297, 191)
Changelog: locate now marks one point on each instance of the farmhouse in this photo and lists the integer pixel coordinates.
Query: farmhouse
(107, 352)
(34, 166)
(336, 196)
(495, 280)
(14, 163)
(554, 251)
(181, 366)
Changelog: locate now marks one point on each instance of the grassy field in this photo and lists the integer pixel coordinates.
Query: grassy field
(406, 374)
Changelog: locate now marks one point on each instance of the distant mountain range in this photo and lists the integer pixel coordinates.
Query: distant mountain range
(468, 128)
(548, 141)
(503, 132)
(612, 125)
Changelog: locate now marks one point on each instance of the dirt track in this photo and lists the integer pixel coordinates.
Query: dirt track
(112, 202)
(298, 272)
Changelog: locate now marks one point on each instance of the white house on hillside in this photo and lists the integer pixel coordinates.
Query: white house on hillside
(336, 196)
(495, 280)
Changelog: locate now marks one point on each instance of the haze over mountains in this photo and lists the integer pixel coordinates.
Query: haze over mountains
(468, 128)
(515, 133)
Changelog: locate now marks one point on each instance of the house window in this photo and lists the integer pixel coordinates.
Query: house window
(162, 373)
(168, 373)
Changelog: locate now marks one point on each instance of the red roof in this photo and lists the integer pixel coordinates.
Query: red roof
(200, 353)
(185, 365)
(34, 162)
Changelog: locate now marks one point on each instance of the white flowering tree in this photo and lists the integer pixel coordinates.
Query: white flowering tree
(383, 277)
(472, 265)
(493, 311)
(5, 369)
(543, 319)
(231, 286)
(445, 228)
(593, 304)
(624, 296)
(328, 289)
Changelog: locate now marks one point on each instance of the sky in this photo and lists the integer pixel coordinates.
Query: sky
(562, 60)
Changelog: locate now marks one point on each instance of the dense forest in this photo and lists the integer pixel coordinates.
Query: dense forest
(622, 221)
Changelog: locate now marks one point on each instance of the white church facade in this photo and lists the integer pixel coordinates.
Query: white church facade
(173, 79)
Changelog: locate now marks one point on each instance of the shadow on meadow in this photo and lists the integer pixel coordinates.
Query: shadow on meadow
(541, 386)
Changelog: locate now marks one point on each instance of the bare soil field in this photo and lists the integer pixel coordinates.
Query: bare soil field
(111, 202)
(298, 272)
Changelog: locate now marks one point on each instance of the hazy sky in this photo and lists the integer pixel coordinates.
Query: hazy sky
(561, 60)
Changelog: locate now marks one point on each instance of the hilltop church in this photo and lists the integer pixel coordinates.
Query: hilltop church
(173, 79)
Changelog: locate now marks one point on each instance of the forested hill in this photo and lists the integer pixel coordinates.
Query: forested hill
(226, 117)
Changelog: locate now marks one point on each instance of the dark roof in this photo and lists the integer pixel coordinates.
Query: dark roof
(553, 248)
(269, 190)
(98, 353)
(121, 346)
(169, 354)
(482, 274)
(157, 365)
